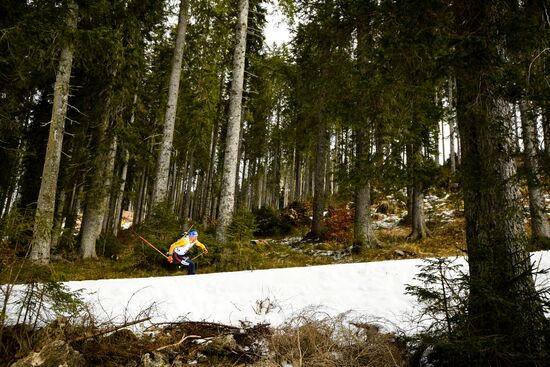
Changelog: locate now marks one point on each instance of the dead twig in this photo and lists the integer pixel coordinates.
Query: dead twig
(183, 338)
(110, 330)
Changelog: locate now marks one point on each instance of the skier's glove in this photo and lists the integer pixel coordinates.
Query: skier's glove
(206, 251)
(170, 259)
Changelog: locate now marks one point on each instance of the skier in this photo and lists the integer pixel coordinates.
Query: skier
(178, 251)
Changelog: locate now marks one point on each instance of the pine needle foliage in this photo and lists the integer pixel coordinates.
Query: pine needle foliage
(241, 229)
(449, 340)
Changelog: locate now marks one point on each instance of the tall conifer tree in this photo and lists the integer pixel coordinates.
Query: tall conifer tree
(42, 234)
(504, 310)
(227, 199)
(160, 189)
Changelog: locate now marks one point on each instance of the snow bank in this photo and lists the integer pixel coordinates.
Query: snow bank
(374, 290)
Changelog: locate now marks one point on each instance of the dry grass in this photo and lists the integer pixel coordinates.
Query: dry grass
(309, 340)
(446, 239)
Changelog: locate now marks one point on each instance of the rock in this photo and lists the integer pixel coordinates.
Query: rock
(399, 253)
(156, 360)
(55, 353)
(224, 342)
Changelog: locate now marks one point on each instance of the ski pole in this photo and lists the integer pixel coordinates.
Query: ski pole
(199, 255)
(151, 245)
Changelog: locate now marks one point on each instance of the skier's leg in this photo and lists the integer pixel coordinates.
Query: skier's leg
(191, 267)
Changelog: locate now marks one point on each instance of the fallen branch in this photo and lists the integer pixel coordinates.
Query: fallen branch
(183, 338)
(110, 330)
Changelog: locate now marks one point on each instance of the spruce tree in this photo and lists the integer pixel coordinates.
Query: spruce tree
(505, 311)
(42, 234)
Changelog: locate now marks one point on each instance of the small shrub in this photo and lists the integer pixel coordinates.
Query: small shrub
(33, 305)
(442, 293)
(267, 221)
(297, 214)
(271, 223)
(16, 228)
(241, 229)
(108, 246)
(451, 340)
(339, 224)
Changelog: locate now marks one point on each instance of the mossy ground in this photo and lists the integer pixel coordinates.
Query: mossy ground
(135, 259)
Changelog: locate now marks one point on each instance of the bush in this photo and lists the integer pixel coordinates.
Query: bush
(33, 305)
(109, 246)
(270, 223)
(451, 340)
(16, 228)
(339, 225)
(298, 214)
(242, 227)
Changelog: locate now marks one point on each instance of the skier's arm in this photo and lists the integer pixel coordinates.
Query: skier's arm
(203, 247)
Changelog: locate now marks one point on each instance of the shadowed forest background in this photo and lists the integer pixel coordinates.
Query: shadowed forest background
(124, 117)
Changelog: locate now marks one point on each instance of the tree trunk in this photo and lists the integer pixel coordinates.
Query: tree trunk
(209, 192)
(328, 169)
(142, 192)
(243, 189)
(419, 229)
(9, 192)
(73, 209)
(58, 219)
(173, 181)
(319, 186)
(240, 155)
(97, 198)
(410, 188)
(364, 236)
(504, 308)
(277, 163)
(310, 177)
(517, 124)
(546, 132)
(452, 118)
(43, 222)
(190, 175)
(207, 211)
(160, 188)
(197, 197)
(443, 162)
(227, 198)
(539, 224)
(297, 175)
(120, 194)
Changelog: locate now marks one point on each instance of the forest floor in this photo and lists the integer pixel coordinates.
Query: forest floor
(444, 216)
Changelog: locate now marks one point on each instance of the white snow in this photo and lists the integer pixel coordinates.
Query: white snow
(374, 291)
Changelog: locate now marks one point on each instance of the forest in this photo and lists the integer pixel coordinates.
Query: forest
(177, 114)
